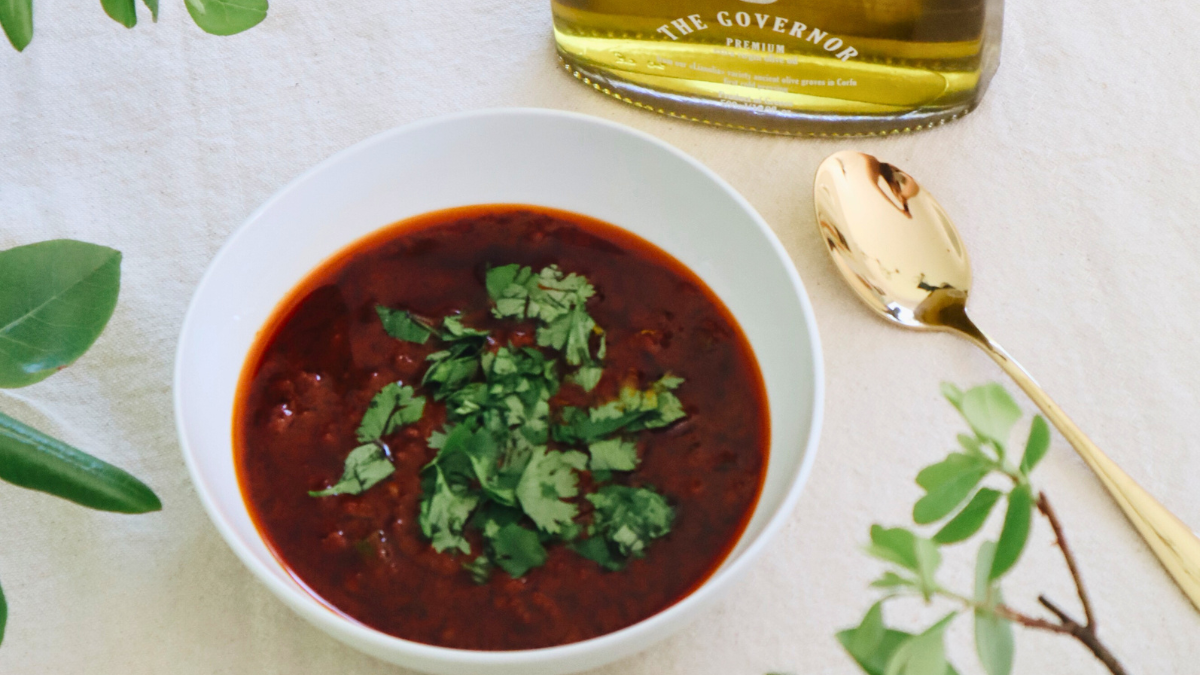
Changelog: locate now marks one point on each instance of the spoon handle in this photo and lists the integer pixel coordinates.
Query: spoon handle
(1172, 542)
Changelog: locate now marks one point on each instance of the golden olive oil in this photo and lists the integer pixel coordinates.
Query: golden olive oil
(787, 66)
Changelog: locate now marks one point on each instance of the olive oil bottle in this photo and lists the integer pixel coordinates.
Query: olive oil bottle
(811, 67)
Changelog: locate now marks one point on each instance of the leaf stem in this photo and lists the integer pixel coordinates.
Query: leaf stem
(1043, 505)
(1084, 632)
(1086, 635)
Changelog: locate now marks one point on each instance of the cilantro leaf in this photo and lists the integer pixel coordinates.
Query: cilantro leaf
(366, 465)
(569, 334)
(549, 478)
(556, 300)
(630, 518)
(402, 325)
(451, 368)
(453, 329)
(613, 454)
(515, 549)
(633, 411)
(445, 510)
(480, 569)
(393, 407)
(588, 376)
(598, 551)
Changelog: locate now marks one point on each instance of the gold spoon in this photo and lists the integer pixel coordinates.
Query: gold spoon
(900, 253)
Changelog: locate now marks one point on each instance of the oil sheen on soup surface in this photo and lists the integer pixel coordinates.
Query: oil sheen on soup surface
(325, 354)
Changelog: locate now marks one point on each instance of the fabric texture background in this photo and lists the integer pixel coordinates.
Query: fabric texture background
(1075, 186)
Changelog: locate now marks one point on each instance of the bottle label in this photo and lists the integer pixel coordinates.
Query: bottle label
(774, 32)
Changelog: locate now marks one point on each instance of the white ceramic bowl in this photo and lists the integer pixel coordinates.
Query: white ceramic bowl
(541, 157)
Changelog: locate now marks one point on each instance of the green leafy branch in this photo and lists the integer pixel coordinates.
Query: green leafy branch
(55, 299)
(218, 17)
(956, 497)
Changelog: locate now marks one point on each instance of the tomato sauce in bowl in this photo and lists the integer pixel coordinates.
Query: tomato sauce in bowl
(324, 354)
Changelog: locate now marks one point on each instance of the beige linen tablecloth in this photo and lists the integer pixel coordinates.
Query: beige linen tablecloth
(1075, 185)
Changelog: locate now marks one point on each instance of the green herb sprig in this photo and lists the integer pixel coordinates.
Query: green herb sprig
(56, 297)
(496, 471)
(217, 17)
(956, 498)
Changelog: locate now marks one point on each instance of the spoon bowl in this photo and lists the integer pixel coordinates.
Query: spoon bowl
(900, 253)
(891, 240)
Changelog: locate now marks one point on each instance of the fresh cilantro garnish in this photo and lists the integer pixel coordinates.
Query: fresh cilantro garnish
(613, 454)
(598, 551)
(480, 569)
(445, 511)
(495, 470)
(634, 410)
(366, 465)
(550, 478)
(559, 303)
(515, 549)
(452, 368)
(453, 329)
(629, 517)
(393, 407)
(402, 325)
(588, 376)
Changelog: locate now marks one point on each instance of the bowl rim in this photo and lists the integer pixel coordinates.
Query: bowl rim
(710, 588)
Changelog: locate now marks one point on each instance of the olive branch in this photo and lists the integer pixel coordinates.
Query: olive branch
(955, 497)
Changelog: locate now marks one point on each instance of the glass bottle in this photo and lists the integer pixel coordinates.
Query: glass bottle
(813, 67)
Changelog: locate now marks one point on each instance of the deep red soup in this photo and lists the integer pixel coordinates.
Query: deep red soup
(324, 354)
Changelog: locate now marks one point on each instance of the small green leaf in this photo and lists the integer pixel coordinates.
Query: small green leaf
(402, 325)
(588, 376)
(1015, 532)
(864, 642)
(633, 410)
(393, 407)
(953, 394)
(123, 12)
(993, 635)
(549, 478)
(516, 549)
(365, 466)
(1037, 445)
(153, 6)
(58, 296)
(923, 654)
(3, 614)
(227, 17)
(984, 584)
(33, 460)
(971, 444)
(453, 330)
(895, 544)
(892, 580)
(991, 412)
(480, 569)
(872, 645)
(16, 17)
(970, 519)
(948, 483)
(445, 508)
(630, 518)
(928, 561)
(598, 551)
(949, 469)
(614, 454)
